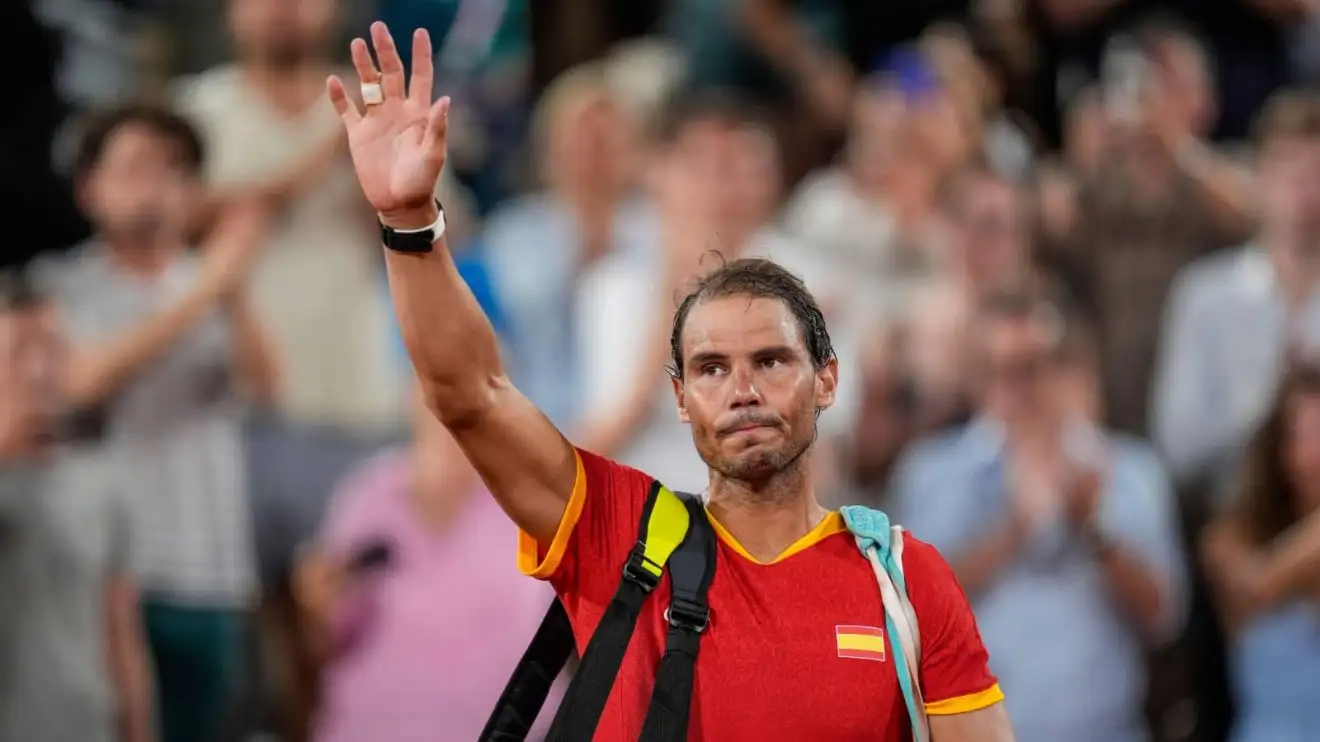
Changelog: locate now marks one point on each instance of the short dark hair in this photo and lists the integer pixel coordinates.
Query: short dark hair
(715, 106)
(759, 279)
(162, 122)
(1072, 338)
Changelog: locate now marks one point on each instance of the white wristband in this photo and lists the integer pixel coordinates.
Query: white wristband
(436, 227)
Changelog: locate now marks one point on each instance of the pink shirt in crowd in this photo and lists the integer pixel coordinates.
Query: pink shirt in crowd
(426, 643)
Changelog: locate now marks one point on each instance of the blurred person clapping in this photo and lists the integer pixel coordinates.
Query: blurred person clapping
(1235, 320)
(1063, 534)
(163, 346)
(1263, 559)
(409, 599)
(73, 663)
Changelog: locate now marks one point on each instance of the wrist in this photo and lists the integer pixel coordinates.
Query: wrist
(419, 217)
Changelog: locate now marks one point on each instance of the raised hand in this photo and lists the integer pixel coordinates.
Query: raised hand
(397, 138)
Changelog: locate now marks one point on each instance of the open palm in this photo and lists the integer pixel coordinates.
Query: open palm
(398, 145)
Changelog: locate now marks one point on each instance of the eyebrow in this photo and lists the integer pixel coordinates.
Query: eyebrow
(773, 351)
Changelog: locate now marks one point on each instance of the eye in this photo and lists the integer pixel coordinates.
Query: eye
(712, 369)
(771, 363)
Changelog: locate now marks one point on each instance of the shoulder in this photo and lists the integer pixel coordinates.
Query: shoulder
(67, 273)
(598, 472)
(1136, 459)
(516, 216)
(1207, 277)
(932, 451)
(204, 93)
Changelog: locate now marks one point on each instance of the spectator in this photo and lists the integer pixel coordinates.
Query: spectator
(272, 133)
(1233, 319)
(538, 246)
(716, 184)
(1062, 534)
(419, 639)
(162, 343)
(1261, 556)
(986, 249)
(73, 664)
(1160, 199)
(870, 218)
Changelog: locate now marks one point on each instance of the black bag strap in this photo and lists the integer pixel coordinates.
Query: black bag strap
(526, 691)
(691, 570)
(660, 532)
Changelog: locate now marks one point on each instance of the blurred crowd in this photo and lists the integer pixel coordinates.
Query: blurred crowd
(1068, 251)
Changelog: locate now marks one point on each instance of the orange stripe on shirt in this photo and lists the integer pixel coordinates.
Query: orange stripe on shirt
(530, 561)
(967, 703)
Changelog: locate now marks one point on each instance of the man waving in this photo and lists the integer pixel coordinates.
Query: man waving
(794, 650)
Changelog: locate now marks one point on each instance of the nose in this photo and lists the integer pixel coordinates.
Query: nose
(745, 393)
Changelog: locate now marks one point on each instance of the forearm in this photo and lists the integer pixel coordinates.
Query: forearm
(1292, 565)
(1135, 588)
(128, 661)
(254, 356)
(978, 567)
(451, 343)
(1226, 188)
(95, 374)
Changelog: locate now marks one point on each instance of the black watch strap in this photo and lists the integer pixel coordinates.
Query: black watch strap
(414, 241)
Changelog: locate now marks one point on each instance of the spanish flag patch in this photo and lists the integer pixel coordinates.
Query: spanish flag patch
(860, 642)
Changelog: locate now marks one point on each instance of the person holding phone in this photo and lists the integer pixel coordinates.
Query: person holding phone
(413, 609)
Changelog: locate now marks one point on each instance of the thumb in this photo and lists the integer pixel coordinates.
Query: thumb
(437, 130)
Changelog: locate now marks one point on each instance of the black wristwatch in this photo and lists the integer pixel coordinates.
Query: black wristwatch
(415, 241)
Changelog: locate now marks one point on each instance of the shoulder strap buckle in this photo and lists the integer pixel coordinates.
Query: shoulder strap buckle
(642, 570)
(685, 614)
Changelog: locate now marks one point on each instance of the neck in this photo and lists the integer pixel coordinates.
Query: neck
(1032, 431)
(139, 255)
(1295, 267)
(767, 517)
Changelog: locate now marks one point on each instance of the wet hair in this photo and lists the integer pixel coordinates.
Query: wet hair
(756, 278)
(1266, 505)
(162, 122)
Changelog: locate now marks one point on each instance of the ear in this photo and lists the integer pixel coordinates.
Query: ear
(680, 399)
(827, 383)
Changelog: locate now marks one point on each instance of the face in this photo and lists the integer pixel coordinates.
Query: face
(874, 143)
(1290, 188)
(1020, 376)
(988, 234)
(1302, 449)
(280, 32)
(589, 144)
(735, 168)
(750, 390)
(141, 188)
(31, 354)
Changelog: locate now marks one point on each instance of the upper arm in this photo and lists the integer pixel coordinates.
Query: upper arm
(955, 667)
(989, 724)
(597, 529)
(527, 464)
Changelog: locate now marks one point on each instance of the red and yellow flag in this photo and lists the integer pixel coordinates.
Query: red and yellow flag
(860, 642)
